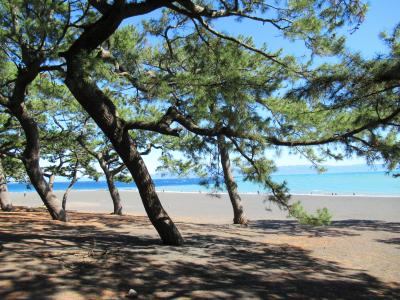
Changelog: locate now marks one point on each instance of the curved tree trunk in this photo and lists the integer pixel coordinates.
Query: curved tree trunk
(31, 154)
(52, 178)
(69, 188)
(114, 193)
(31, 158)
(5, 200)
(71, 184)
(238, 214)
(104, 113)
(102, 110)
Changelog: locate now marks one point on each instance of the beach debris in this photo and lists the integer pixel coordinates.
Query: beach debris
(132, 293)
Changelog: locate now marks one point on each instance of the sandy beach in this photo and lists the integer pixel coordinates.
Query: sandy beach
(101, 256)
(211, 208)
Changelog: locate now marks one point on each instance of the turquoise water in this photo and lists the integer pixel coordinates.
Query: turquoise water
(369, 183)
(359, 183)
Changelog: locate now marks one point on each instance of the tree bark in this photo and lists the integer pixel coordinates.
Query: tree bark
(5, 200)
(52, 177)
(30, 159)
(71, 184)
(114, 193)
(101, 109)
(239, 216)
(69, 188)
(104, 113)
(31, 154)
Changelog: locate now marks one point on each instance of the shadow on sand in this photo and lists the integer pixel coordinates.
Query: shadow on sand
(41, 259)
(335, 229)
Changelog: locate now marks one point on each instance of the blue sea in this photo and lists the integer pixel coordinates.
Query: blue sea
(347, 183)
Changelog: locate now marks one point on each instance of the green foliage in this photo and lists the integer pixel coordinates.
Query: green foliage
(214, 80)
(321, 217)
(14, 169)
(316, 22)
(354, 95)
(11, 146)
(225, 84)
(36, 29)
(61, 122)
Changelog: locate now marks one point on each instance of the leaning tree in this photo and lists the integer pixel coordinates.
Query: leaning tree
(220, 86)
(315, 22)
(113, 169)
(32, 33)
(293, 21)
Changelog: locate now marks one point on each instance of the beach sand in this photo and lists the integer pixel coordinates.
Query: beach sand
(101, 256)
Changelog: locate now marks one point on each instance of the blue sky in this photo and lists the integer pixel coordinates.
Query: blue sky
(382, 15)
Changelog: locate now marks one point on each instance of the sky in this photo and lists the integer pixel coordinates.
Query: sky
(382, 15)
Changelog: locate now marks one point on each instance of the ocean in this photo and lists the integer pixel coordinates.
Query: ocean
(347, 183)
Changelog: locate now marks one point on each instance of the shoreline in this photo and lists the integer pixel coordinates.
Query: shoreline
(210, 208)
(226, 193)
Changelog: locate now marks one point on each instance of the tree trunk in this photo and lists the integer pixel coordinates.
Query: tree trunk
(52, 178)
(31, 154)
(231, 186)
(5, 200)
(104, 113)
(69, 188)
(101, 109)
(30, 159)
(71, 184)
(114, 193)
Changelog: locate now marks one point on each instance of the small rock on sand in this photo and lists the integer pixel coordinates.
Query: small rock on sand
(132, 293)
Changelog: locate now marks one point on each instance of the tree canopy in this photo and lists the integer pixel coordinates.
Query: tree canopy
(182, 85)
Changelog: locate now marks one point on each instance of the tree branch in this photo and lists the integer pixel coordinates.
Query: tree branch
(118, 170)
(82, 143)
(101, 5)
(337, 137)
(162, 126)
(135, 9)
